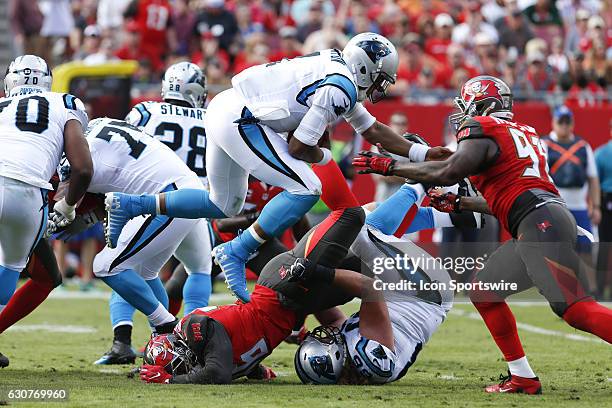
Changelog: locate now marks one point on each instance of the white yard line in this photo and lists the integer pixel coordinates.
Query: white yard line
(53, 328)
(534, 329)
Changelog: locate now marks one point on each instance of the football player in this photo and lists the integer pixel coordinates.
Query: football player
(178, 122)
(36, 127)
(214, 345)
(127, 159)
(270, 124)
(505, 160)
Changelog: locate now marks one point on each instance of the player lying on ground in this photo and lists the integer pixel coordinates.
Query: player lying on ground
(247, 128)
(214, 345)
(127, 159)
(36, 127)
(506, 162)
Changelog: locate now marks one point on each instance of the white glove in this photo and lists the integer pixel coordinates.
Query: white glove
(63, 214)
(50, 230)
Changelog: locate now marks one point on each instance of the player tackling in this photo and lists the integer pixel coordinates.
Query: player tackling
(505, 160)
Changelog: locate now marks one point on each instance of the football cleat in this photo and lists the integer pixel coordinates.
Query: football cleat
(514, 384)
(4, 361)
(118, 214)
(234, 270)
(119, 353)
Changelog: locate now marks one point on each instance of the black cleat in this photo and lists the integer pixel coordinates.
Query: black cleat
(4, 361)
(119, 353)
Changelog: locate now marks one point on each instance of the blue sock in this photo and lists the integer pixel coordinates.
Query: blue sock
(158, 289)
(196, 291)
(423, 219)
(8, 284)
(134, 289)
(389, 214)
(121, 312)
(191, 203)
(283, 211)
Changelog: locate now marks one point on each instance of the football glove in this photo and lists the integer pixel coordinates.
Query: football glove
(380, 163)
(63, 213)
(154, 374)
(444, 201)
(301, 270)
(415, 138)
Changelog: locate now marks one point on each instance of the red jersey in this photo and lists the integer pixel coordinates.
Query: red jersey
(254, 328)
(520, 164)
(153, 19)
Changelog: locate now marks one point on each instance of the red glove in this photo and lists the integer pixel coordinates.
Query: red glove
(445, 202)
(154, 374)
(380, 163)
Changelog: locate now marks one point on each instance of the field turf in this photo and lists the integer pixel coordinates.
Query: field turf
(56, 345)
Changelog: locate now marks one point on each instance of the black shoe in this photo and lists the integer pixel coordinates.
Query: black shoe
(165, 328)
(119, 353)
(4, 361)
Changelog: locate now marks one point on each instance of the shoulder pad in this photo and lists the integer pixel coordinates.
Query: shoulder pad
(470, 128)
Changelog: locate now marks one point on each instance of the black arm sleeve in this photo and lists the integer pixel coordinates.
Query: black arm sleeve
(213, 348)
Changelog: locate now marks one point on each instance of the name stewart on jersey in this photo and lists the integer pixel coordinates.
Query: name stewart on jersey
(168, 109)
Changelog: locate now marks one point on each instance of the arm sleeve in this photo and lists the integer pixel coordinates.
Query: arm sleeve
(134, 117)
(591, 168)
(359, 118)
(213, 348)
(328, 103)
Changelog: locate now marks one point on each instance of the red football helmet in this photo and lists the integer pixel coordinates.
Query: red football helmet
(170, 352)
(483, 95)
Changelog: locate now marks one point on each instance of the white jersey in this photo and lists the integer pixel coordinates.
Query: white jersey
(283, 94)
(178, 127)
(415, 314)
(32, 134)
(128, 160)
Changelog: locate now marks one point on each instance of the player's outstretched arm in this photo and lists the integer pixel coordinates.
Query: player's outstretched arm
(79, 157)
(394, 143)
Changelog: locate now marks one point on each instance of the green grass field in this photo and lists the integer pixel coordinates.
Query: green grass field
(450, 372)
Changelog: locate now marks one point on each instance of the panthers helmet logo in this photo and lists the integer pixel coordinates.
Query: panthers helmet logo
(374, 49)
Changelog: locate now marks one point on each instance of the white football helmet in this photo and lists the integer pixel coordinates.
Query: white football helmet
(27, 71)
(185, 81)
(373, 60)
(321, 356)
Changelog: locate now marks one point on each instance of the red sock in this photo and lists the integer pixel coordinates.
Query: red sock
(336, 193)
(501, 324)
(23, 302)
(590, 316)
(174, 306)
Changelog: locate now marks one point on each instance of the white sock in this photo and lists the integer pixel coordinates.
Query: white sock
(255, 235)
(160, 316)
(521, 368)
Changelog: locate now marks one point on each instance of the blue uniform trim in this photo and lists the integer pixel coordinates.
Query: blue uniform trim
(151, 228)
(145, 115)
(70, 101)
(413, 358)
(257, 140)
(360, 348)
(43, 222)
(337, 80)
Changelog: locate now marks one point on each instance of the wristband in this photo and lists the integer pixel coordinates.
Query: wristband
(417, 152)
(327, 156)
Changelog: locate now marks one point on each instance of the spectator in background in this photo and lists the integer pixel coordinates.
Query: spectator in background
(157, 36)
(387, 186)
(513, 28)
(485, 53)
(219, 21)
(539, 74)
(209, 50)
(110, 17)
(313, 21)
(184, 20)
(300, 10)
(58, 24)
(330, 36)
(573, 170)
(597, 65)
(359, 21)
(411, 63)
(289, 46)
(557, 58)
(437, 45)
(130, 48)
(577, 33)
(255, 52)
(464, 33)
(455, 63)
(603, 160)
(93, 51)
(246, 24)
(26, 21)
(546, 20)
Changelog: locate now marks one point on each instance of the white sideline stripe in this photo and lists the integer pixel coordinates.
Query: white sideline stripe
(54, 328)
(534, 329)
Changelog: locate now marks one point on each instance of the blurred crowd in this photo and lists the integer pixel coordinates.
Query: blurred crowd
(537, 46)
